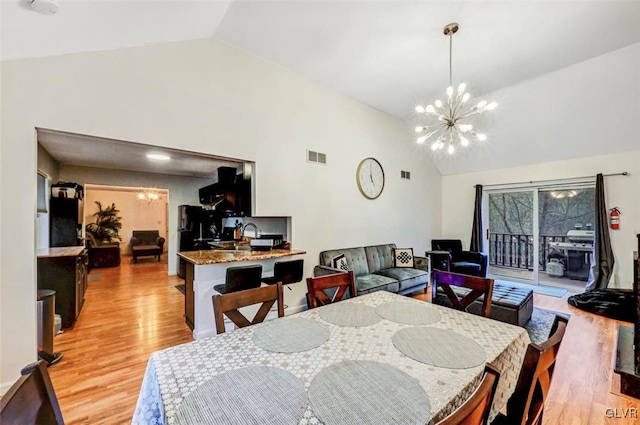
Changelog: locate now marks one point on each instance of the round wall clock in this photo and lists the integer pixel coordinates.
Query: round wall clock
(370, 178)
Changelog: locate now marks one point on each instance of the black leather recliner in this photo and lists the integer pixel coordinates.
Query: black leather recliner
(463, 262)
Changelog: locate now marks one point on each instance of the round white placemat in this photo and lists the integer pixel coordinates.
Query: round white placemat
(253, 395)
(409, 313)
(349, 314)
(356, 392)
(439, 347)
(290, 335)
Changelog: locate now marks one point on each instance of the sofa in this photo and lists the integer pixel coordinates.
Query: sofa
(145, 243)
(374, 269)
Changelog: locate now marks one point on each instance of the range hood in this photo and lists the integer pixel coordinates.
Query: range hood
(221, 196)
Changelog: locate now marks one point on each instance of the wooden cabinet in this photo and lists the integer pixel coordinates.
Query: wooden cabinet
(189, 302)
(67, 275)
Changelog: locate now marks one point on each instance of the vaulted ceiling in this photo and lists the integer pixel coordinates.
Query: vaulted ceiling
(387, 54)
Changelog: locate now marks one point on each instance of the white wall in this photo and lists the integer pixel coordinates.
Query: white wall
(182, 191)
(208, 97)
(621, 191)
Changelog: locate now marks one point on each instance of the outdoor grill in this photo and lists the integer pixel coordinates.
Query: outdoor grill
(574, 253)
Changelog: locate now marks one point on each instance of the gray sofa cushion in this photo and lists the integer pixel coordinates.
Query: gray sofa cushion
(407, 277)
(379, 257)
(375, 282)
(356, 259)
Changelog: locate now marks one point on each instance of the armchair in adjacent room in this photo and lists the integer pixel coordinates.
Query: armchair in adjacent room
(146, 242)
(458, 261)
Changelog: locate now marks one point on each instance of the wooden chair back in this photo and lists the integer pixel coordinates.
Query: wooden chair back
(31, 400)
(475, 411)
(479, 286)
(526, 405)
(316, 287)
(228, 305)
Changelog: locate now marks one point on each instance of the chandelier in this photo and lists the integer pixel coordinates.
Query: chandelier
(148, 196)
(450, 127)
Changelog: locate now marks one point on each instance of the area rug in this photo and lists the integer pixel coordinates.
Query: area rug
(180, 288)
(537, 289)
(539, 325)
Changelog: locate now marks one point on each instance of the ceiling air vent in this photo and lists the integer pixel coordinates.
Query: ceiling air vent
(405, 175)
(316, 157)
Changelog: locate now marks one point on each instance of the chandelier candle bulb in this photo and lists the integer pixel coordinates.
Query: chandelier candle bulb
(420, 109)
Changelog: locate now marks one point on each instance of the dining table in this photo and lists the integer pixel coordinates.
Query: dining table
(376, 358)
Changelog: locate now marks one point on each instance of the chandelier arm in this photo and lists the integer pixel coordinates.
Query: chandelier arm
(471, 112)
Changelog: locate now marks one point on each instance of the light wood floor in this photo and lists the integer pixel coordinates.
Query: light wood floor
(133, 311)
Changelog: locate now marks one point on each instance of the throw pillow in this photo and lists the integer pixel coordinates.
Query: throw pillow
(340, 262)
(403, 257)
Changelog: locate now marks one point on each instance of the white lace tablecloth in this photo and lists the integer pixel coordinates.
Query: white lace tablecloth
(174, 373)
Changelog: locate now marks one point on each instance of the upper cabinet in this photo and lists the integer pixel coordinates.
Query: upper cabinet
(231, 195)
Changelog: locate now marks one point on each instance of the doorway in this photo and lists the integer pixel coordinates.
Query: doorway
(541, 234)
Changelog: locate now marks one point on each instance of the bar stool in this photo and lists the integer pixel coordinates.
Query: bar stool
(286, 272)
(240, 278)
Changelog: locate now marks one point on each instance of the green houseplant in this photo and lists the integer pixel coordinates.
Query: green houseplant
(106, 227)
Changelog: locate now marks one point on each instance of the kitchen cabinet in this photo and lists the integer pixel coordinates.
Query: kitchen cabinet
(64, 270)
(189, 301)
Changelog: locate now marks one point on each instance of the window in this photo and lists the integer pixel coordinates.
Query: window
(42, 192)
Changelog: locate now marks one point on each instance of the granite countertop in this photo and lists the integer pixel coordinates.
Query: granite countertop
(63, 251)
(200, 258)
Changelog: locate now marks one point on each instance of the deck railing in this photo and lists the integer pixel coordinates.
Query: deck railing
(516, 251)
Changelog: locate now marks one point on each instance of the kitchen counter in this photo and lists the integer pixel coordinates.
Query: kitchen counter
(206, 269)
(200, 258)
(63, 251)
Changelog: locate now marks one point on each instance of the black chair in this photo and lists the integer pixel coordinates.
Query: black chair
(31, 400)
(286, 272)
(241, 278)
(458, 261)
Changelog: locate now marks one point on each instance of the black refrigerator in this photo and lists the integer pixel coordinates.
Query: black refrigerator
(196, 227)
(65, 221)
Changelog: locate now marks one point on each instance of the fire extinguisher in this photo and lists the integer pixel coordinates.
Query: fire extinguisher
(614, 218)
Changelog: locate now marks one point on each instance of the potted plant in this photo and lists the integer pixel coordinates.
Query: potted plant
(106, 227)
(104, 246)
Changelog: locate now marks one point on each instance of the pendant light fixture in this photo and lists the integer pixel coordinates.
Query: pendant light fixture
(450, 128)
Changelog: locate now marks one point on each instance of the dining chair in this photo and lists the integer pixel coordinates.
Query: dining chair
(228, 305)
(475, 411)
(479, 286)
(240, 278)
(31, 400)
(317, 287)
(287, 272)
(526, 405)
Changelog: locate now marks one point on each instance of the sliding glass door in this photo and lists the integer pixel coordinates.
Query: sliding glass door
(511, 234)
(541, 234)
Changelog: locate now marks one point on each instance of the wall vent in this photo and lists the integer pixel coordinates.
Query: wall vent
(316, 157)
(405, 175)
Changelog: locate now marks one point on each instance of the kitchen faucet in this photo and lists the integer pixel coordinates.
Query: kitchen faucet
(255, 229)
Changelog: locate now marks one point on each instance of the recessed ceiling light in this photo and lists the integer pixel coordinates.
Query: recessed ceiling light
(158, 156)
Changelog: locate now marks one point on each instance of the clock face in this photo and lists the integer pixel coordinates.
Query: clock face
(370, 178)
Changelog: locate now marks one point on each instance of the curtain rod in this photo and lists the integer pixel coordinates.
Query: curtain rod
(624, 173)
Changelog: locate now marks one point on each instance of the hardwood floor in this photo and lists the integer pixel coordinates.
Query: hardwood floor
(133, 311)
(129, 313)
